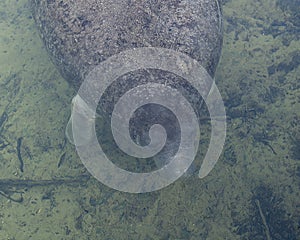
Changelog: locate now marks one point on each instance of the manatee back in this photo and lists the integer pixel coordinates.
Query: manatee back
(80, 34)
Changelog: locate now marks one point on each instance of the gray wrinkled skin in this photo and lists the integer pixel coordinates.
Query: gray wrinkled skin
(79, 34)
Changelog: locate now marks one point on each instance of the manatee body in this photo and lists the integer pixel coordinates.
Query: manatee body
(79, 34)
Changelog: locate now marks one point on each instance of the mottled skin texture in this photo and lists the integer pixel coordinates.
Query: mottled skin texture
(79, 34)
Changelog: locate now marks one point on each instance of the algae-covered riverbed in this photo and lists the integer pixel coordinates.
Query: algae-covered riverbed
(253, 191)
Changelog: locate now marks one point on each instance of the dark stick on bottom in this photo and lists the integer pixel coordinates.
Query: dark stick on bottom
(19, 143)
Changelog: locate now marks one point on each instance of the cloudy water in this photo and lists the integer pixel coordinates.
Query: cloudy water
(250, 192)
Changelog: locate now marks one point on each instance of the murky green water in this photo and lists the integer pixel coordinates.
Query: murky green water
(252, 193)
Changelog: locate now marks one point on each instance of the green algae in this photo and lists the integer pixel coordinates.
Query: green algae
(258, 77)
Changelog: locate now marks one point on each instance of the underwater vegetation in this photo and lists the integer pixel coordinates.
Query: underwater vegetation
(294, 137)
(286, 66)
(268, 219)
(230, 156)
(290, 27)
(292, 5)
(295, 147)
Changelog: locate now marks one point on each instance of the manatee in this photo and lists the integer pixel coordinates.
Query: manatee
(80, 34)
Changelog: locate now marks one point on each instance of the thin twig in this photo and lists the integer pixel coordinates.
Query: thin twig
(17, 200)
(267, 230)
